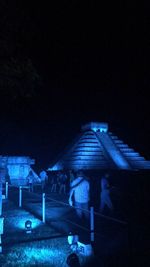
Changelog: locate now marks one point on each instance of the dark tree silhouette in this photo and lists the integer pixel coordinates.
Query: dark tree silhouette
(18, 75)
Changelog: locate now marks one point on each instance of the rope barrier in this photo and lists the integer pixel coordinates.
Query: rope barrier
(95, 213)
(78, 225)
(92, 231)
(110, 218)
(73, 207)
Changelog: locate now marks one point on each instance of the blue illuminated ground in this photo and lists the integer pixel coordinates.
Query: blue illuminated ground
(113, 241)
(51, 252)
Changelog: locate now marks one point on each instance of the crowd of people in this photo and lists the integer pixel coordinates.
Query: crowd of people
(54, 182)
(74, 184)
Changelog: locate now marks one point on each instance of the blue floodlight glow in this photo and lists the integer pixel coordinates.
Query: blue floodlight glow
(21, 222)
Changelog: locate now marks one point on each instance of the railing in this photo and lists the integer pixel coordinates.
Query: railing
(92, 231)
(91, 211)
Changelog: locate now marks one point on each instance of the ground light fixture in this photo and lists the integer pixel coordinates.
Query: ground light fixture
(72, 241)
(28, 226)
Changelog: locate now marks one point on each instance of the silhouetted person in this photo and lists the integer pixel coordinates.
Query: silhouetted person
(63, 182)
(44, 178)
(71, 176)
(105, 200)
(80, 191)
(54, 183)
(30, 181)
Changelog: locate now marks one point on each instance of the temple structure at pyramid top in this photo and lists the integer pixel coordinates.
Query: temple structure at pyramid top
(96, 148)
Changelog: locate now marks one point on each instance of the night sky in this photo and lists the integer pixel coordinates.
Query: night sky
(92, 64)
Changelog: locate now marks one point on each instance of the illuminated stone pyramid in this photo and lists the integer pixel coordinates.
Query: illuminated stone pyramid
(96, 148)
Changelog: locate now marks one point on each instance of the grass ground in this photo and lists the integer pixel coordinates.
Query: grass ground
(35, 249)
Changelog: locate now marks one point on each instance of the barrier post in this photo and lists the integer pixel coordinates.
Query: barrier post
(20, 196)
(6, 193)
(0, 244)
(92, 224)
(43, 207)
(1, 232)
